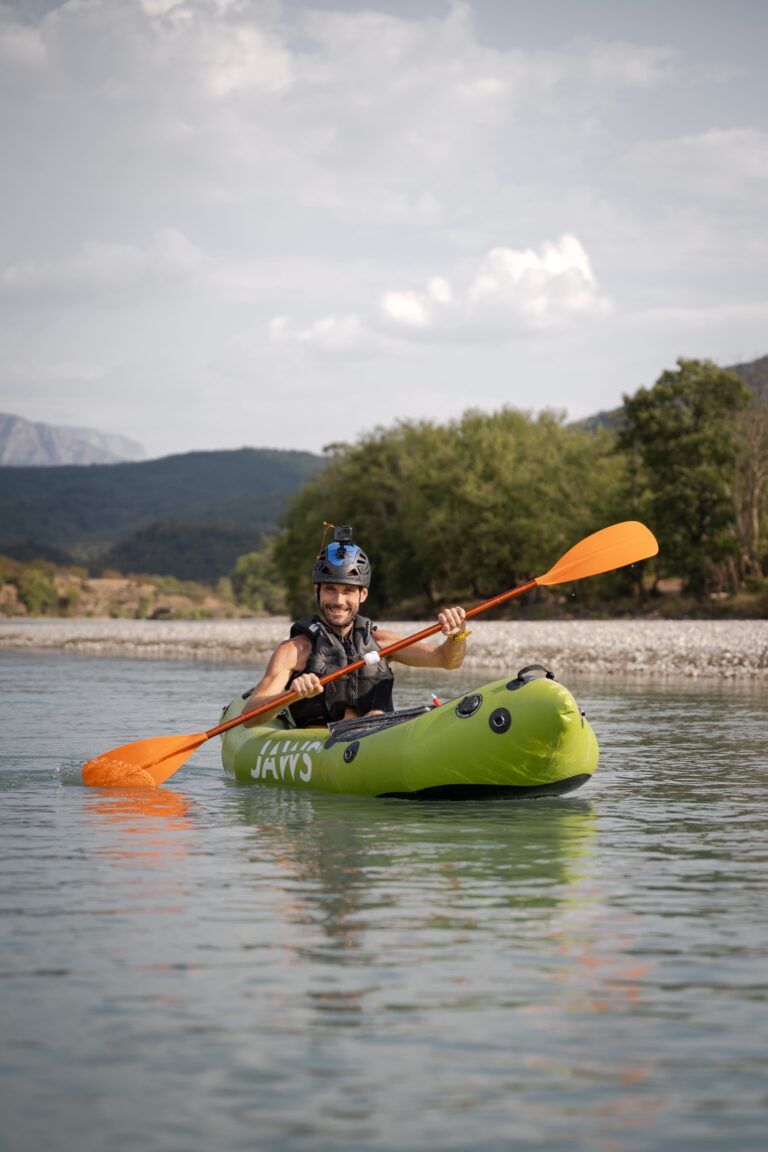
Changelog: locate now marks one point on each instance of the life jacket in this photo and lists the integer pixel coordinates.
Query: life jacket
(367, 689)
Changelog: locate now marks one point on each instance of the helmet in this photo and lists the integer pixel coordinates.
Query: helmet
(342, 563)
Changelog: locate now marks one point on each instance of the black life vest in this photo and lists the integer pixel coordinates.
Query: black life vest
(367, 689)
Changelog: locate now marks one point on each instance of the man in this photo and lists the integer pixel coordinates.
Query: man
(338, 635)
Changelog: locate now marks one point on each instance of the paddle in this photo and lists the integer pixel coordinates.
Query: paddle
(147, 763)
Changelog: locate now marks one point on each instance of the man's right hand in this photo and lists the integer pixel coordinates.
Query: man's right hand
(306, 685)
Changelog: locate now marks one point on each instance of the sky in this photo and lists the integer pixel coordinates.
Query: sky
(269, 223)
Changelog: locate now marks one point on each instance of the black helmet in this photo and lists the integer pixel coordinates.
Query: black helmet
(342, 563)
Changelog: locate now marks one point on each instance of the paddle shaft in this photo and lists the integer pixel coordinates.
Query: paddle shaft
(289, 697)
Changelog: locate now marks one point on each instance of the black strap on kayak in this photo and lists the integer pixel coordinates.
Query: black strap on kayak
(525, 675)
(359, 726)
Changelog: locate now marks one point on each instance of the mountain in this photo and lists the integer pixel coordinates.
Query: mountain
(23, 442)
(754, 373)
(155, 515)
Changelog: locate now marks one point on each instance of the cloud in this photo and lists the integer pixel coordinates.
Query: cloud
(614, 65)
(244, 59)
(20, 45)
(511, 292)
(47, 372)
(160, 7)
(338, 334)
(360, 113)
(697, 324)
(103, 273)
(717, 163)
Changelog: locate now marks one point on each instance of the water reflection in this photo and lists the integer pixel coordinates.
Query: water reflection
(413, 917)
(347, 863)
(149, 825)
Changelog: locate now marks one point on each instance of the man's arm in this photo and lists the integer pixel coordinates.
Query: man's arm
(287, 658)
(449, 654)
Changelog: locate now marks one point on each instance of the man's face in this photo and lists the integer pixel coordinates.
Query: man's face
(339, 603)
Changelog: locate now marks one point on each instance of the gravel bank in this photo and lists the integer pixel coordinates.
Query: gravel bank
(731, 649)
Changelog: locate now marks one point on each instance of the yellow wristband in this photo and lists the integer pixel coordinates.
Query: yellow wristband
(460, 635)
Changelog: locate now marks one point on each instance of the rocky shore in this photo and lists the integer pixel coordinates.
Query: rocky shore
(724, 649)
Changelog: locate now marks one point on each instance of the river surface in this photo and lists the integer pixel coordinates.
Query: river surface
(219, 967)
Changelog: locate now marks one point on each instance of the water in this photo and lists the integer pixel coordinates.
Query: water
(215, 967)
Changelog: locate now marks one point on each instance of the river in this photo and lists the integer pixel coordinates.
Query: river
(217, 967)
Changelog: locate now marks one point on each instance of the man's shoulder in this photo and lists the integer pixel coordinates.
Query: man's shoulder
(296, 639)
(291, 654)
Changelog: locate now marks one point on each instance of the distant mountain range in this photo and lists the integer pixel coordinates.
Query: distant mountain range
(25, 443)
(189, 516)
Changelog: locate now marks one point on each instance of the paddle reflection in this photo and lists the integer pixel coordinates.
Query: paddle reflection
(148, 825)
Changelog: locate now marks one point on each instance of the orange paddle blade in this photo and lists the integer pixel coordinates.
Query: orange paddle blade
(143, 764)
(603, 551)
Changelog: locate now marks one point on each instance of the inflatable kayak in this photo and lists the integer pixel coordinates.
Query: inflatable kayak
(521, 737)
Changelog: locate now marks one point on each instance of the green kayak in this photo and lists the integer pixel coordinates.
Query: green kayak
(521, 737)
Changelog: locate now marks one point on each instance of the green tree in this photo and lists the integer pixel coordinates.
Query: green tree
(257, 583)
(35, 587)
(459, 511)
(684, 433)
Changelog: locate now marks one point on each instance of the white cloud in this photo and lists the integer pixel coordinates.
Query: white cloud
(329, 334)
(245, 59)
(409, 309)
(695, 325)
(102, 272)
(618, 64)
(357, 115)
(512, 291)
(45, 372)
(160, 7)
(713, 164)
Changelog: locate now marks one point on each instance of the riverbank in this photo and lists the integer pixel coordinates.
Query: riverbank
(724, 649)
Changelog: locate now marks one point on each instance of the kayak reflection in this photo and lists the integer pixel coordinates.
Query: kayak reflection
(347, 864)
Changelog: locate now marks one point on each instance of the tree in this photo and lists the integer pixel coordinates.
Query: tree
(455, 512)
(257, 583)
(35, 587)
(751, 486)
(684, 431)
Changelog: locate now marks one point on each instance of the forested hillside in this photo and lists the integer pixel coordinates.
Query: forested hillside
(144, 516)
